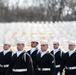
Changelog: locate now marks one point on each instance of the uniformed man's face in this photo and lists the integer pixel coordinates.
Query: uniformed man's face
(34, 44)
(71, 47)
(20, 47)
(55, 46)
(44, 47)
(6, 47)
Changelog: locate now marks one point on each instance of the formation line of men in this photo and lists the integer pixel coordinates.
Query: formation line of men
(38, 62)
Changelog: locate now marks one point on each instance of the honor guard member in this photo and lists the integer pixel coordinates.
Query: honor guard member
(5, 57)
(33, 51)
(58, 54)
(69, 60)
(21, 62)
(45, 61)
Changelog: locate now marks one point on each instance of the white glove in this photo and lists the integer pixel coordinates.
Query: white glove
(58, 73)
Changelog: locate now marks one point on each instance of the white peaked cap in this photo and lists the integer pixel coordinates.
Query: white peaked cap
(7, 42)
(34, 40)
(44, 42)
(21, 42)
(56, 41)
(72, 42)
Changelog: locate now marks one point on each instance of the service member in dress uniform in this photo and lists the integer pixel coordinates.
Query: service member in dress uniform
(69, 60)
(58, 54)
(21, 62)
(33, 51)
(45, 61)
(5, 57)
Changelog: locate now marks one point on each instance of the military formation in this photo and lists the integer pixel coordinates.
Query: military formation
(38, 61)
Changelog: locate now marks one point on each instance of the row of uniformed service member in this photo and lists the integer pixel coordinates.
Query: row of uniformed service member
(38, 62)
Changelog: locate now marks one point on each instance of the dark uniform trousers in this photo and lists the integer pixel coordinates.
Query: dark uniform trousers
(45, 64)
(21, 65)
(69, 64)
(58, 58)
(4, 62)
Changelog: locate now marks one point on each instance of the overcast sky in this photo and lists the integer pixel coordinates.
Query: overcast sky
(21, 2)
(25, 2)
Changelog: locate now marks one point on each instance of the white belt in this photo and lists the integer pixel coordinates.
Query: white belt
(5, 66)
(57, 66)
(70, 68)
(44, 69)
(19, 70)
(1, 65)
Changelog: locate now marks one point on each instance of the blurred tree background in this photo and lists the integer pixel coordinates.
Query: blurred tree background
(39, 10)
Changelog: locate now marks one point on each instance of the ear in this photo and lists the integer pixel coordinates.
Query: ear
(9, 45)
(74, 45)
(23, 45)
(47, 46)
(58, 44)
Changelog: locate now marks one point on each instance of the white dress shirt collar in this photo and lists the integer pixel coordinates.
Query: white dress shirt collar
(19, 52)
(55, 51)
(43, 53)
(32, 50)
(71, 52)
(5, 51)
